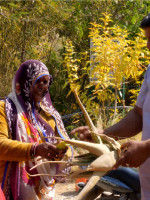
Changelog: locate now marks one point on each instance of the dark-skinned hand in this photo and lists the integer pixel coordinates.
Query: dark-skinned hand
(49, 151)
(135, 154)
(84, 133)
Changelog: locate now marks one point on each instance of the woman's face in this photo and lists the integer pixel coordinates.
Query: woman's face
(40, 88)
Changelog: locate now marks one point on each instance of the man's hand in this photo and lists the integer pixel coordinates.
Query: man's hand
(84, 133)
(135, 153)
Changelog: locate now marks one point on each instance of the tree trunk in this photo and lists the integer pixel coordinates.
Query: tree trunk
(23, 43)
(115, 107)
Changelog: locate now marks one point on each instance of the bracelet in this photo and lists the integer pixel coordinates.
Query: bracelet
(32, 150)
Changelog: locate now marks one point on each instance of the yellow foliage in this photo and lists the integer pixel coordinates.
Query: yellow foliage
(71, 65)
(115, 56)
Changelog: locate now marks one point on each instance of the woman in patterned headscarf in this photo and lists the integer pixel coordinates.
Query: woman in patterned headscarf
(27, 118)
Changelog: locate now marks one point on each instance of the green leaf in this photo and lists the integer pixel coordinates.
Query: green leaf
(62, 145)
(23, 13)
(13, 5)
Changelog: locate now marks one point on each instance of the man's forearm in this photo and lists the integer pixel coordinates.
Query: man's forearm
(128, 126)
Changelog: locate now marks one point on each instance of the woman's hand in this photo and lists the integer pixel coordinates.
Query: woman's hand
(135, 153)
(49, 151)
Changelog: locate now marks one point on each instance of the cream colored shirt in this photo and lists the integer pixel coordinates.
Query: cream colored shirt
(143, 101)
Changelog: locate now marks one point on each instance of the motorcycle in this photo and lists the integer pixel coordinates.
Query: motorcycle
(123, 181)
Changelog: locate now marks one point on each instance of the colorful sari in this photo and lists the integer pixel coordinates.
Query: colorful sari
(26, 125)
(2, 195)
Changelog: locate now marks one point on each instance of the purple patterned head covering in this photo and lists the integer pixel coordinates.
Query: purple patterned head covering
(26, 76)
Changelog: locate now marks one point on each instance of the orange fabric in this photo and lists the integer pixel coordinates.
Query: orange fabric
(10, 150)
(78, 180)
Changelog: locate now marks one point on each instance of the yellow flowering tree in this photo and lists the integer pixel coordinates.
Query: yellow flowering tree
(115, 57)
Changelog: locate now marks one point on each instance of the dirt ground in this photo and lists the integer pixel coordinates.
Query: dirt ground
(66, 191)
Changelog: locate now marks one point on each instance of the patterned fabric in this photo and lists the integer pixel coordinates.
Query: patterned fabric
(26, 125)
(1, 195)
